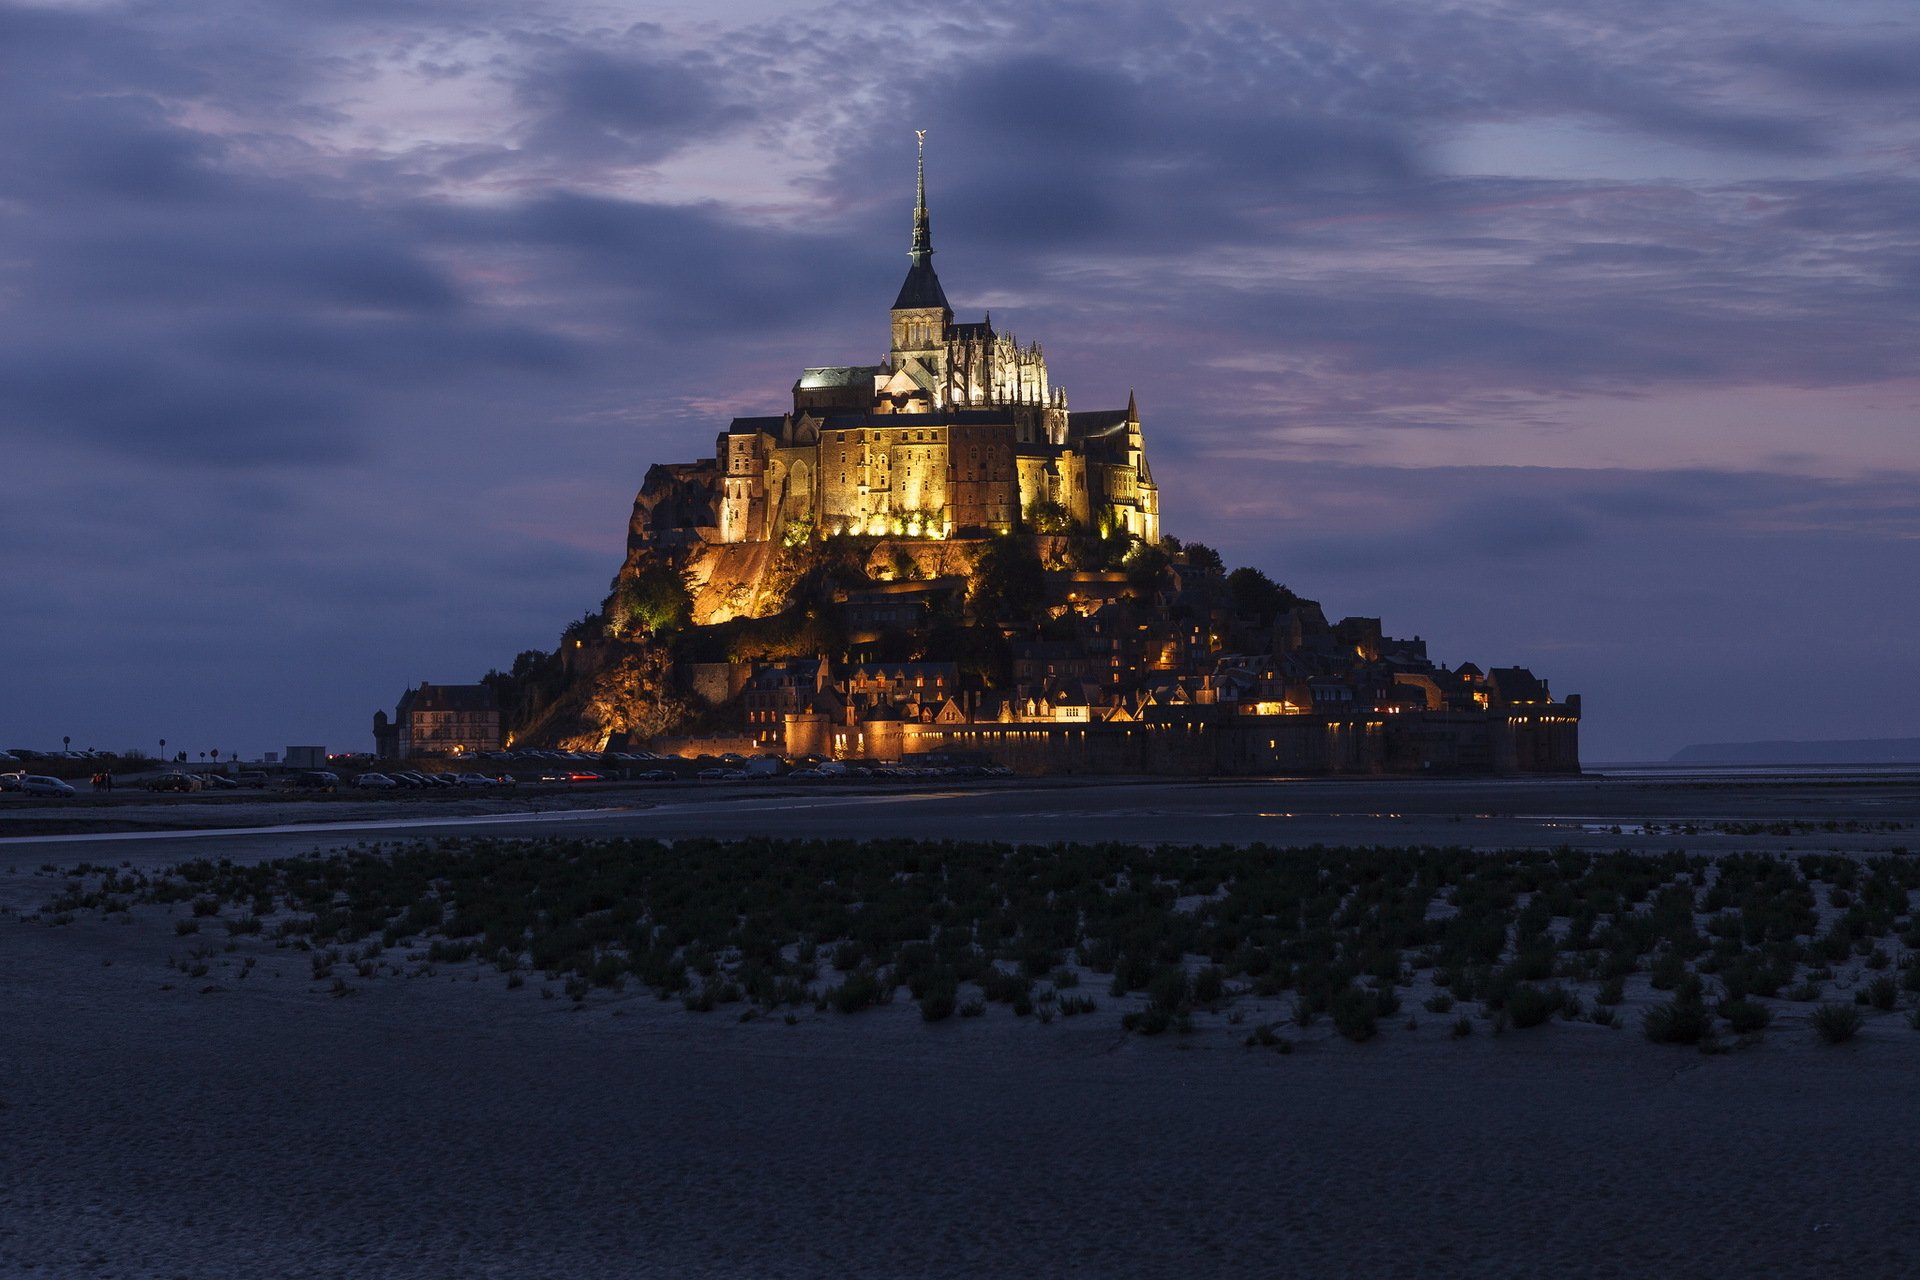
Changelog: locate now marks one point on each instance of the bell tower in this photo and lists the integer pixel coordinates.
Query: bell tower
(921, 315)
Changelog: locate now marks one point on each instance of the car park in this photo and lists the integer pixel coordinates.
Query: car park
(35, 784)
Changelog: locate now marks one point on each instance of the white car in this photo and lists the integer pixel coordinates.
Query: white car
(375, 782)
(37, 785)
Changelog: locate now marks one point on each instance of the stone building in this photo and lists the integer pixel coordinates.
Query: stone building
(957, 432)
(439, 720)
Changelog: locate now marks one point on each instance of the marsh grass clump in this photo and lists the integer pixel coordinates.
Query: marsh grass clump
(1677, 1022)
(1837, 1023)
(1355, 1013)
(1746, 1016)
(1324, 927)
(863, 989)
(1529, 1006)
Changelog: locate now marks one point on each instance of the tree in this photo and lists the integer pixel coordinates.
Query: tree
(654, 599)
(1145, 562)
(1257, 596)
(1202, 556)
(1009, 583)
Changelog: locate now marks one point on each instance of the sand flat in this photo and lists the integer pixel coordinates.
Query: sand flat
(445, 1125)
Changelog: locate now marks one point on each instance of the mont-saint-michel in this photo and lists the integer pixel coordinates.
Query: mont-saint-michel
(936, 555)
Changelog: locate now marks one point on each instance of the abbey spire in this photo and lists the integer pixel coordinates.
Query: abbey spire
(922, 287)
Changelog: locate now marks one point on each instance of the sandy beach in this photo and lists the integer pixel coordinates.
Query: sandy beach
(435, 1122)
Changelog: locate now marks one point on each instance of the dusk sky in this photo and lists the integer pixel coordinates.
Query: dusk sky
(335, 337)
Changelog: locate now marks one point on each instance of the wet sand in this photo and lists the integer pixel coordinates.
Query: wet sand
(443, 1125)
(1729, 813)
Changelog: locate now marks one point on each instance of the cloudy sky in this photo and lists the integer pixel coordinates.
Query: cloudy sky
(336, 336)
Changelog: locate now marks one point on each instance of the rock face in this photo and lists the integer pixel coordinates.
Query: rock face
(677, 504)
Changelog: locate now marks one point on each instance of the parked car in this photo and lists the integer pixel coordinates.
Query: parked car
(35, 784)
(217, 782)
(375, 782)
(315, 780)
(181, 782)
(255, 778)
(654, 775)
(474, 780)
(11, 781)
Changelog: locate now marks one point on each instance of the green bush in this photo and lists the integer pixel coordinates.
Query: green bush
(1677, 1022)
(1746, 1016)
(938, 1006)
(1529, 1006)
(1355, 1013)
(1836, 1023)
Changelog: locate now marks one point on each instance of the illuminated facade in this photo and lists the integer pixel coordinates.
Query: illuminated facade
(959, 432)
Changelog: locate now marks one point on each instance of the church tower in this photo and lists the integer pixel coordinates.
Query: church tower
(921, 315)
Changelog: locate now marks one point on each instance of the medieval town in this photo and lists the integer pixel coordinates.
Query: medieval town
(935, 557)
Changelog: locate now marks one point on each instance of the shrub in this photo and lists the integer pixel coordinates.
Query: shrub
(1208, 984)
(1529, 1006)
(1668, 970)
(1836, 1023)
(1806, 993)
(1746, 1016)
(1439, 1002)
(1462, 1027)
(1612, 991)
(1602, 1016)
(861, 990)
(1355, 1014)
(185, 927)
(1148, 1022)
(1676, 1022)
(1883, 992)
(937, 1006)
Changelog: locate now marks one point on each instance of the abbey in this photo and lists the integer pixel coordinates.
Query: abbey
(958, 433)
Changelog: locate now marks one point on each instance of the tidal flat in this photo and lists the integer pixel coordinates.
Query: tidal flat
(476, 1054)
